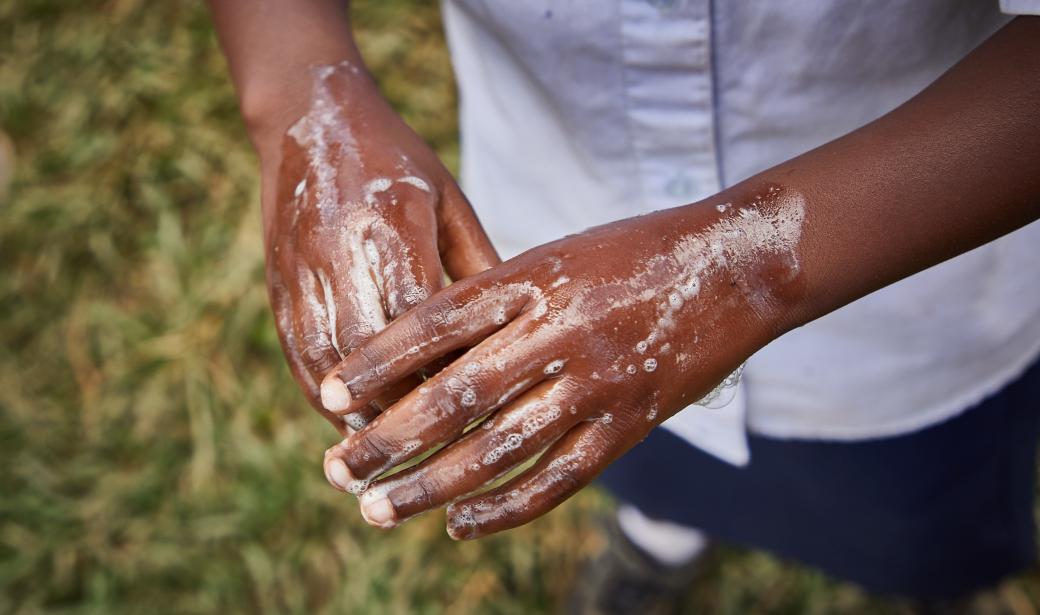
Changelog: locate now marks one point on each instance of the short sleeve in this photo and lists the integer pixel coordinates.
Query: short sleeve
(1020, 7)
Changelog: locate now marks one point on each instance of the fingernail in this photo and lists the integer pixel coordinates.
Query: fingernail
(337, 473)
(377, 510)
(334, 394)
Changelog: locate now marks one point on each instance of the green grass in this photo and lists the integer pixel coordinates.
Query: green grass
(155, 454)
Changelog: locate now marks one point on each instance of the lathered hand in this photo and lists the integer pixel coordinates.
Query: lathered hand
(577, 348)
(362, 219)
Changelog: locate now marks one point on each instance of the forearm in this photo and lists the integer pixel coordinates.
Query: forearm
(953, 168)
(269, 45)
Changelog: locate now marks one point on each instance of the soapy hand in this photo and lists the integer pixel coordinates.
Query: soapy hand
(362, 226)
(577, 348)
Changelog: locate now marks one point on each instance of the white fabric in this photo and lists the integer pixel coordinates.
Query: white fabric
(580, 112)
(1020, 7)
(716, 431)
(669, 543)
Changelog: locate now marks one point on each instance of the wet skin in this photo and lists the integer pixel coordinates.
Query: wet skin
(582, 345)
(363, 225)
(558, 361)
(579, 347)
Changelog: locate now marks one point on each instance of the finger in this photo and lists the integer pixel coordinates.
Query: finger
(402, 257)
(457, 317)
(503, 441)
(315, 342)
(355, 310)
(566, 467)
(281, 304)
(464, 246)
(315, 323)
(406, 279)
(486, 378)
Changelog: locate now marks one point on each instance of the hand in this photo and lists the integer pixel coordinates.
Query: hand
(579, 348)
(358, 221)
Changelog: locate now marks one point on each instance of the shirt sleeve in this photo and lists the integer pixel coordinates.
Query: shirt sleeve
(1020, 7)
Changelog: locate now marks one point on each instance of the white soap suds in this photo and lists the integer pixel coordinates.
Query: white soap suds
(330, 309)
(414, 181)
(651, 415)
(511, 443)
(380, 184)
(554, 367)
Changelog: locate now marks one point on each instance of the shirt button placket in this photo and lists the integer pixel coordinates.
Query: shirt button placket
(667, 57)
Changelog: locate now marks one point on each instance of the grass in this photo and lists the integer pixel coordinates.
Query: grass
(155, 454)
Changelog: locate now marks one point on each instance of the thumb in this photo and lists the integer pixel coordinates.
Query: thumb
(464, 246)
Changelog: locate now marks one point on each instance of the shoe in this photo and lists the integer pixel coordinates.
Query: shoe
(624, 579)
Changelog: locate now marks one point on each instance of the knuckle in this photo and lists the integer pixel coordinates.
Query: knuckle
(408, 297)
(371, 360)
(370, 452)
(427, 489)
(435, 320)
(445, 405)
(317, 357)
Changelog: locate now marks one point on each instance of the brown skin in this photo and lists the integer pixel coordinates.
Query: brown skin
(953, 168)
(318, 205)
(596, 347)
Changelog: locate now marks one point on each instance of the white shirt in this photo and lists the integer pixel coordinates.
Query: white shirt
(579, 112)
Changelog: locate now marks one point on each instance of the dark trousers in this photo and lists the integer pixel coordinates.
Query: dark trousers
(935, 513)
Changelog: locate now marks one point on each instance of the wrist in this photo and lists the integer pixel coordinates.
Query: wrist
(750, 236)
(271, 104)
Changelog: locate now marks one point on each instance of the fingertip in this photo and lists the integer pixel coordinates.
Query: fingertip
(456, 534)
(377, 510)
(337, 473)
(461, 525)
(335, 396)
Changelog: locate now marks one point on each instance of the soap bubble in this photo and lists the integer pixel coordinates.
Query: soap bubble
(724, 392)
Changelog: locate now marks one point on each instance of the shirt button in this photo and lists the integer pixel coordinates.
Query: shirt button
(681, 186)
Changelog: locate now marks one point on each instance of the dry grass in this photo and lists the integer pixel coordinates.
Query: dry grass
(155, 454)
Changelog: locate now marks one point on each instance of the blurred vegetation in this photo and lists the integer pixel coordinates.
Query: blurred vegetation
(154, 453)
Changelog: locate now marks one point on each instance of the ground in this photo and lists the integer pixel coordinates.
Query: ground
(155, 454)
